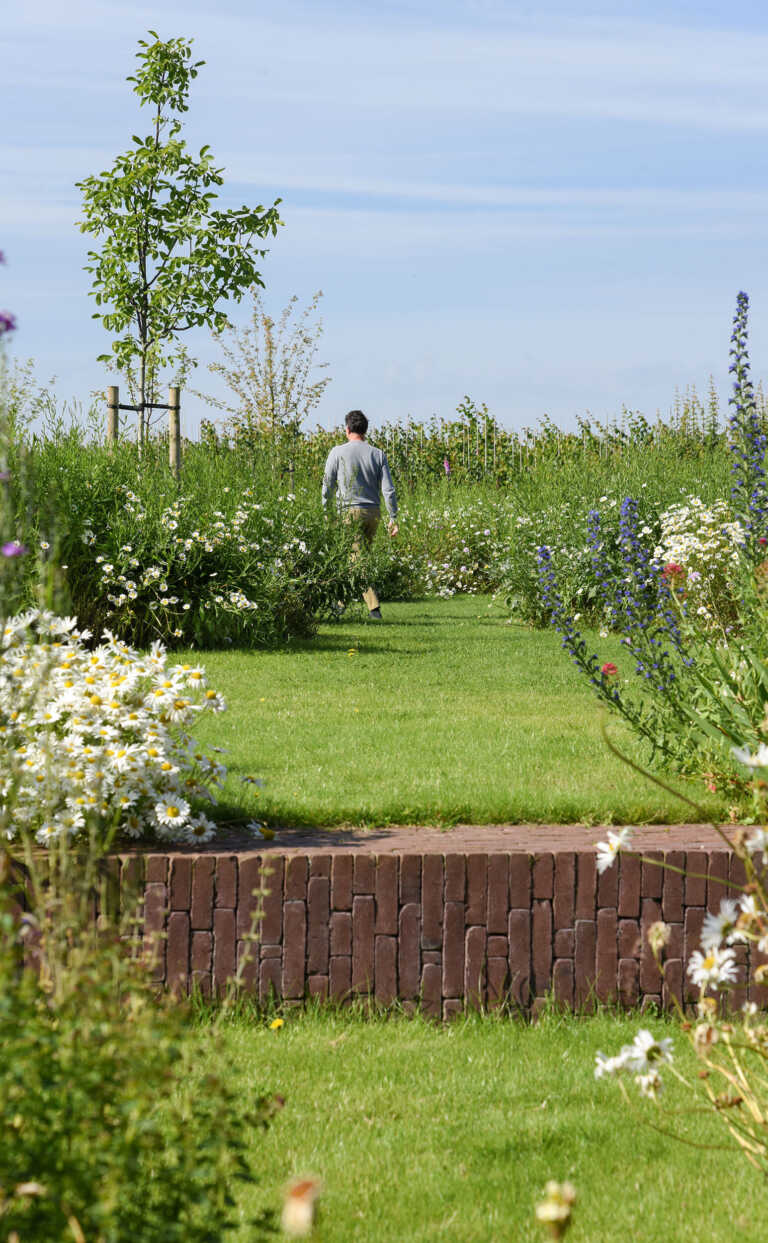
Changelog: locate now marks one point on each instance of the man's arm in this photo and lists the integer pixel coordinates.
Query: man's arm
(330, 476)
(388, 488)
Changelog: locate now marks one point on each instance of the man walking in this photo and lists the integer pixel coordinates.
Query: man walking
(360, 473)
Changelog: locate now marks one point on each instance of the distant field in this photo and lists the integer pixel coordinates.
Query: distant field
(444, 713)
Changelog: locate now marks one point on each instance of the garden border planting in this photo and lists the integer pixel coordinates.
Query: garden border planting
(439, 926)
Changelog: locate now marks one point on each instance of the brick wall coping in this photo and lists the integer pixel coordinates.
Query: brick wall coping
(463, 839)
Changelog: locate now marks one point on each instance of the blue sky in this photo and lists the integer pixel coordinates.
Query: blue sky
(549, 206)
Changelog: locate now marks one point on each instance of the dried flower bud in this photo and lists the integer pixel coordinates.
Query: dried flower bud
(299, 1207)
(658, 935)
(554, 1212)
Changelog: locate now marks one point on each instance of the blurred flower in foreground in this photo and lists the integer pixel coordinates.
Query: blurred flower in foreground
(607, 851)
(276, 1024)
(554, 1212)
(299, 1207)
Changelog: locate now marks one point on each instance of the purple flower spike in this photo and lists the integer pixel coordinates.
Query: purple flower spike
(7, 322)
(13, 549)
(446, 466)
(5, 476)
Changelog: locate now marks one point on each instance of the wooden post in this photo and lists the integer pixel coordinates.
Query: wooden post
(113, 413)
(174, 430)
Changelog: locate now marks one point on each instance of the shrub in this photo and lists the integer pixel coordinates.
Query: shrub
(97, 739)
(112, 1130)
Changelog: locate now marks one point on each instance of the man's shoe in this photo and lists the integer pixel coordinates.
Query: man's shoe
(375, 614)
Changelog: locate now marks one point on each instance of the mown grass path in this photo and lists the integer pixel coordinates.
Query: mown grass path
(442, 714)
(422, 1132)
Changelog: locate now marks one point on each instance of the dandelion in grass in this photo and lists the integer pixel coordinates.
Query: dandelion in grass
(607, 851)
(556, 1208)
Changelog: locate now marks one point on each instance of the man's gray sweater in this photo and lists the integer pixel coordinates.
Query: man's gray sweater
(360, 472)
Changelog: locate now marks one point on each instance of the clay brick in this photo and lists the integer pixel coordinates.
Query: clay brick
(200, 962)
(408, 963)
(608, 887)
(696, 878)
(629, 886)
(455, 877)
(177, 952)
(477, 890)
(717, 879)
(249, 881)
(226, 881)
(586, 885)
(386, 895)
(157, 869)
(584, 958)
(630, 943)
(650, 976)
(340, 978)
(498, 893)
(364, 875)
(651, 1001)
(363, 922)
(131, 883)
(737, 874)
(498, 947)
(320, 865)
(606, 955)
(248, 966)
(410, 879)
(652, 875)
(296, 868)
(271, 928)
(341, 934)
(629, 972)
(181, 882)
(565, 940)
(431, 989)
(672, 988)
(541, 946)
(453, 1007)
(270, 978)
(520, 867)
(453, 950)
(294, 949)
(543, 875)
(341, 883)
(674, 948)
(433, 956)
(498, 979)
(155, 900)
(520, 955)
(474, 966)
(224, 949)
(201, 911)
(318, 924)
(738, 994)
(432, 879)
(564, 900)
(694, 918)
(268, 951)
(318, 985)
(562, 981)
(673, 887)
(385, 969)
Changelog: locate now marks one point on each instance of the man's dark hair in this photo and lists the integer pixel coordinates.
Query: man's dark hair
(356, 422)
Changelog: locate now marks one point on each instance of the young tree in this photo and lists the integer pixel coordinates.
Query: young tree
(169, 257)
(268, 369)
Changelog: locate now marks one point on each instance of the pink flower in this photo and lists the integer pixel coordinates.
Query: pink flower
(13, 549)
(672, 568)
(609, 670)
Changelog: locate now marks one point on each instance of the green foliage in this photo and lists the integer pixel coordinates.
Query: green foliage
(168, 255)
(118, 1127)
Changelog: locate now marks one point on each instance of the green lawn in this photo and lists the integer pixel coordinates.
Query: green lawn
(443, 713)
(421, 1132)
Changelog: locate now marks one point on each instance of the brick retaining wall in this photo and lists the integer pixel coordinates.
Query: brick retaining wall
(445, 930)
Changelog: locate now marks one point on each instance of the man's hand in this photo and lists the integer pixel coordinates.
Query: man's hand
(392, 527)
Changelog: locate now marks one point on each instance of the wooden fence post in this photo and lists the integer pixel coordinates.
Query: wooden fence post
(113, 413)
(174, 430)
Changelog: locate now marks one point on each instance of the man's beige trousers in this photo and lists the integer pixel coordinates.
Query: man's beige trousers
(366, 519)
